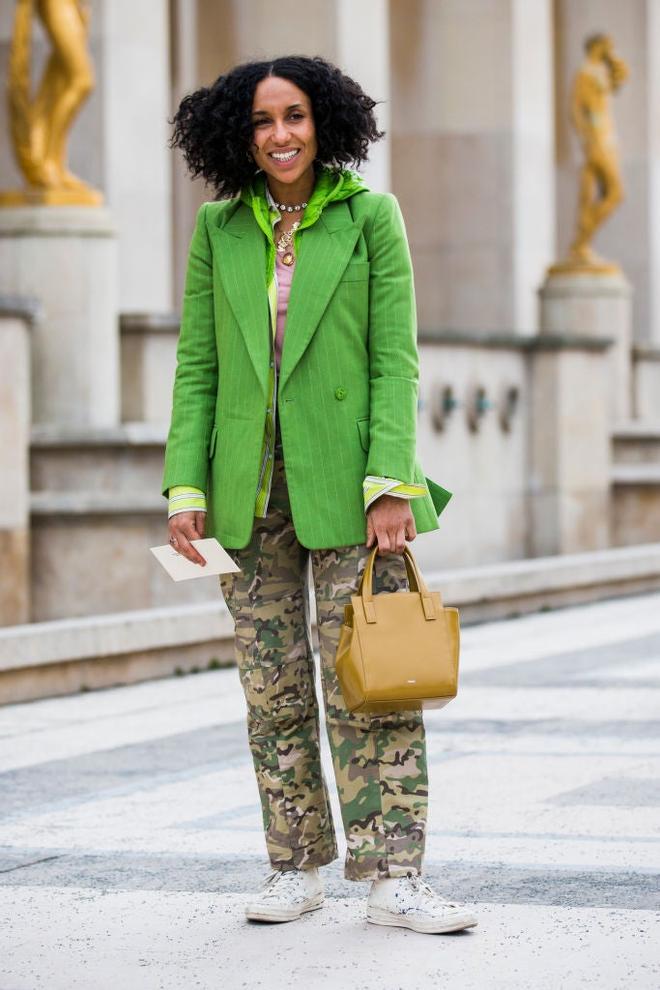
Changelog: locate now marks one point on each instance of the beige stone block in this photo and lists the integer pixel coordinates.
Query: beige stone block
(451, 65)
(487, 470)
(646, 385)
(473, 156)
(51, 680)
(463, 288)
(89, 564)
(467, 176)
(569, 452)
(569, 521)
(84, 466)
(635, 513)
(460, 236)
(569, 427)
(14, 576)
(595, 306)
(14, 477)
(14, 419)
(637, 443)
(66, 257)
(148, 364)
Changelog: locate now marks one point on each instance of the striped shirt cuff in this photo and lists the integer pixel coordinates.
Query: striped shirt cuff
(373, 487)
(185, 498)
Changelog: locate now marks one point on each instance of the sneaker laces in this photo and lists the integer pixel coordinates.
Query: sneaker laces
(426, 891)
(273, 879)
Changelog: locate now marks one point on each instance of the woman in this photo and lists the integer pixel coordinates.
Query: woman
(296, 440)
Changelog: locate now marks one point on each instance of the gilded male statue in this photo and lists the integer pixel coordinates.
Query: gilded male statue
(601, 186)
(39, 126)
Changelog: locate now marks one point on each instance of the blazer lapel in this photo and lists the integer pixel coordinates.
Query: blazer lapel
(325, 249)
(240, 248)
(240, 252)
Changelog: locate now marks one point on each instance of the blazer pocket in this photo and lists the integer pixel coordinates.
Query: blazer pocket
(212, 441)
(363, 430)
(356, 271)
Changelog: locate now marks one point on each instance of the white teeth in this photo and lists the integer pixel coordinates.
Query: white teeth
(285, 157)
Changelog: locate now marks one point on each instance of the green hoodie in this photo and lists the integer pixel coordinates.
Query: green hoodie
(331, 185)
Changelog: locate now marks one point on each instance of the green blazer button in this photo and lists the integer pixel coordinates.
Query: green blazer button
(340, 393)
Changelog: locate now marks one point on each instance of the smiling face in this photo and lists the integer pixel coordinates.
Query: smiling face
(284, 136)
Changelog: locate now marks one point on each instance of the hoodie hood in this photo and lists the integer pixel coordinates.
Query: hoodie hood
(331, 185)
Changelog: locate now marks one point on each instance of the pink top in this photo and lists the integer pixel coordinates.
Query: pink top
(284, 276)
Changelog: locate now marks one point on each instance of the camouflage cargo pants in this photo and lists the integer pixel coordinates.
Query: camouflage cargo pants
(379, 761)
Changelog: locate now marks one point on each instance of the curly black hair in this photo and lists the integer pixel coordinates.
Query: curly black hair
(213, 125)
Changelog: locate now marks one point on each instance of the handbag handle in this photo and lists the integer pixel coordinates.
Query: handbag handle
(414, 577)
(415, 581)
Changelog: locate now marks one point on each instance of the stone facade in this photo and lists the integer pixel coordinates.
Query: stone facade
(539, 401)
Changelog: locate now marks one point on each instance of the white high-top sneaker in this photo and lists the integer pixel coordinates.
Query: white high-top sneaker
(286, 895)
(411, 903)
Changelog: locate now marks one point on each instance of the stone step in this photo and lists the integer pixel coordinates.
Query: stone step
(103, 503)
(127, 458)
(635, 474)
(636, 442)
(72, 654)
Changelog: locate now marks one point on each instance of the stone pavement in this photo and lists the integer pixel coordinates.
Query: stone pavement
(130, 831)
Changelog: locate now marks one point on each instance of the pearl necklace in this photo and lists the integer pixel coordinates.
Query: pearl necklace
(283, 207)
(291, 209)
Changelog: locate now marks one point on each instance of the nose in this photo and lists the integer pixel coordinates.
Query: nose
(281, 132)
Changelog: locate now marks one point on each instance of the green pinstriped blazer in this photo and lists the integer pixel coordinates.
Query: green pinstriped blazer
(348, 380)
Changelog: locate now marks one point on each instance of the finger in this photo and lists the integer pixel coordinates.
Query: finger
(185, 547)
(393, 534)
(411, 530)
(184, 533)
(383, 541)
(200, 523)
(370, 532)
(400, 540)
(189, 528)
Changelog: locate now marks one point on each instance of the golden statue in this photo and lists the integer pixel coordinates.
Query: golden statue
(601, 187)
(39, 126)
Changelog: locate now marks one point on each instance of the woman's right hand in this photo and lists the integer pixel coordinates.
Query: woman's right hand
(184, 527)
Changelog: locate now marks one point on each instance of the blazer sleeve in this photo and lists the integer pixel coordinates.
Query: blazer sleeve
(196, 377)
(393, 355)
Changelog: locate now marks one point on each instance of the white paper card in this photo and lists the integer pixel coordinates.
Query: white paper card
(180, 568)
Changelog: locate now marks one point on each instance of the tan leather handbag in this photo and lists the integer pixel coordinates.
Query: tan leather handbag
(397, 651)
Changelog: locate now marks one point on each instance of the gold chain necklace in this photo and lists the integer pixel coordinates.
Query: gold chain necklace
(284, 244)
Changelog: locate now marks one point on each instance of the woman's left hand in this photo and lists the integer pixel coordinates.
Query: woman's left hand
(390, 522)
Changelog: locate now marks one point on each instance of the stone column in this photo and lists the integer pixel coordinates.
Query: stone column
(66, 257)
(16, 320)
(569, 446)
(363, 52)
(598, 306)
(134, 94)
(473, 157)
